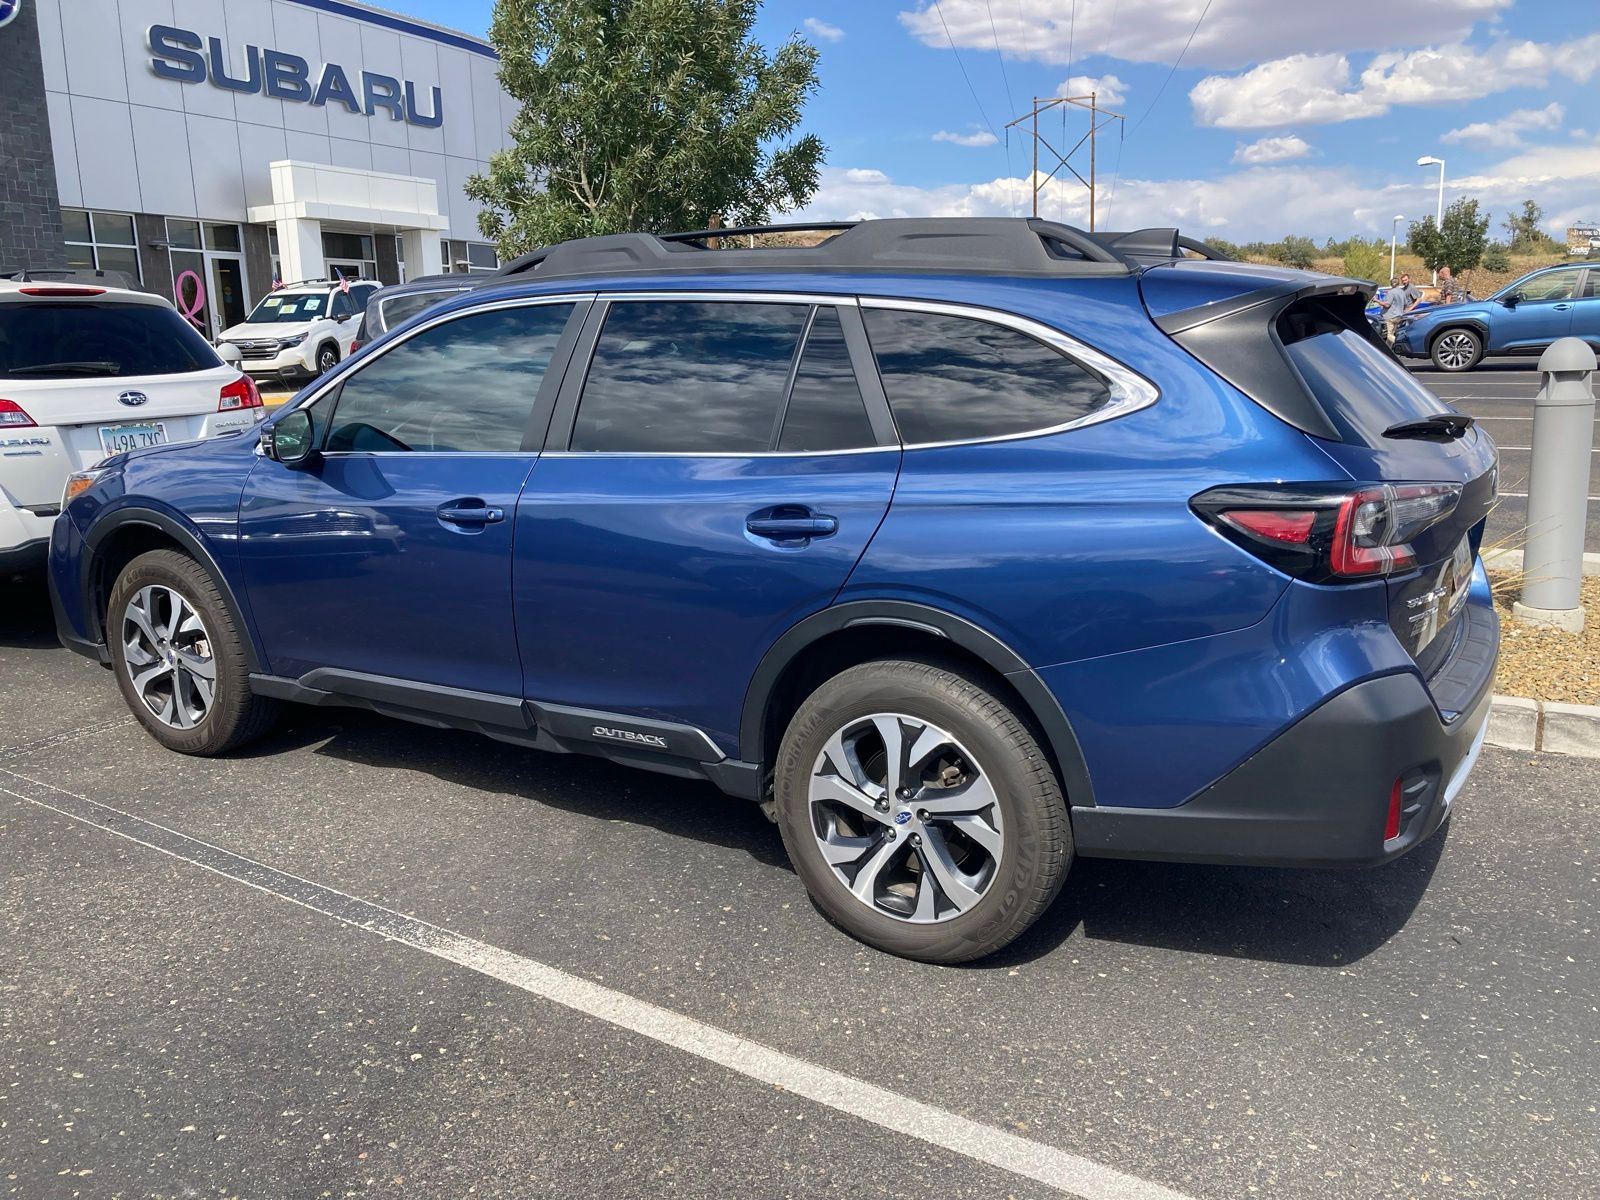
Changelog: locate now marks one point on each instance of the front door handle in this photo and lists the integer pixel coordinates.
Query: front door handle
(1562, 307)
(791, 522)
(467, 512)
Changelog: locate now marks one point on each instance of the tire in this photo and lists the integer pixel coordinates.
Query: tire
(962, 738)
(1458, 349)
(327, 358)
(172, 705)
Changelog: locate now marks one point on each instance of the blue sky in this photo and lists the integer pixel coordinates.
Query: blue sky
(1304, 118)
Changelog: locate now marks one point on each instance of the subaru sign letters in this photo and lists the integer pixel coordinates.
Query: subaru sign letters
(184, 56)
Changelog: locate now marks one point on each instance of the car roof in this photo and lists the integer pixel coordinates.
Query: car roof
(29, 289)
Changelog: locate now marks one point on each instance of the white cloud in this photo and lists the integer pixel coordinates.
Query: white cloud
(1233, 34)
(1108, 89)
(1272, 150)
(1316, 89)
(821, 29)
(1251, 202)
(1508, 130)
(981, 137)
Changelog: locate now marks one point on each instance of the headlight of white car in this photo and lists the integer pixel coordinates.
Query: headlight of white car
(292, 341)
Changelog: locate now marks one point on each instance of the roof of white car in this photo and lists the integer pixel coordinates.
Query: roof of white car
(60, 289)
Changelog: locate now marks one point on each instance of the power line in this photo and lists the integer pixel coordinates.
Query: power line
(1001, 55)
(964, 74)
(1172, 70)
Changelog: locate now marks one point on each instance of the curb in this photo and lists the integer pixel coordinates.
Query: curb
(1512, 560)
(1519, 724)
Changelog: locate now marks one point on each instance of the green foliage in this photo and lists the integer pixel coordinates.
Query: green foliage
(1496, 257)
(1363, 260)
(1457, 244)
(1223, 246)
(643, 115)
(1524, 235)
(1295, 251)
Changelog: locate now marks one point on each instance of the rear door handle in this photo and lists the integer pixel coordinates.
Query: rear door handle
(790, 522)
(461, 512)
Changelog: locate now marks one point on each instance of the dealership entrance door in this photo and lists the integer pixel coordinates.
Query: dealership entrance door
(211, 252)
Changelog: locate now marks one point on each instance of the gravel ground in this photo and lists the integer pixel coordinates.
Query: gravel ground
(1548, 664)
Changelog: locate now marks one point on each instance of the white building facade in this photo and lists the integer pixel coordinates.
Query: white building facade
(243, 142)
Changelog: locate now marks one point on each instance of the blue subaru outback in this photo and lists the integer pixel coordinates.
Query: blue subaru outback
(963, 546)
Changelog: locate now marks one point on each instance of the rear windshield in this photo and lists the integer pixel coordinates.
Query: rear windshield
(41, 340)
(1358, 383)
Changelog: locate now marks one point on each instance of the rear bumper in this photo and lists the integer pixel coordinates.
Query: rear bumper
(1318, 794)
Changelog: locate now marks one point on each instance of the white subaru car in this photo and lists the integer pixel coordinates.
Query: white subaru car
(90, 371)
(300, 331)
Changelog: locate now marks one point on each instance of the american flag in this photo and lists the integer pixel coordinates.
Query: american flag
(344, 284)
(277, 279)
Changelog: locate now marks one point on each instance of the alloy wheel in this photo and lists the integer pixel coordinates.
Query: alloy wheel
(327, 359)
(906, 818)
(169, 656)
(1456, 351)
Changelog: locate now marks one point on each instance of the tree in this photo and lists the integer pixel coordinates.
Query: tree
(1295, 251)
(1364, 260)
(1496, 258)
(1457, 244)
(643, 115)
(1524, 232)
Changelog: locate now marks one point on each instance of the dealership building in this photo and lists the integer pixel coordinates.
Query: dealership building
(236, 142)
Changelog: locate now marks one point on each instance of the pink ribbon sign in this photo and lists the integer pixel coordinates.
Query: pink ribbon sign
(193, 307)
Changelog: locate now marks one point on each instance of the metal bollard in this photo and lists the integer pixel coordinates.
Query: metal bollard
(1558, 488)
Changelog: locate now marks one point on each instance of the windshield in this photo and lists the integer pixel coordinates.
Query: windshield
(289, 306)
(75, 339)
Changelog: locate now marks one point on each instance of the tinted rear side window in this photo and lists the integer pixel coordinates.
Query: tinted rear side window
(688, 377)
(41, 340)
(403, 308)
(1358, 384)
(826, 411)
(952, 379)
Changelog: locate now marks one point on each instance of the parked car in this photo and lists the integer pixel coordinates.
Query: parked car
(302, 330)
(1522, 318)
(398, 303)
(962, 546)
(88, 371)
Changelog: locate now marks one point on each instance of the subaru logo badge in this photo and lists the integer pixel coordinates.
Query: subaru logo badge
(901, 817)
(9, 10)
(131, 399)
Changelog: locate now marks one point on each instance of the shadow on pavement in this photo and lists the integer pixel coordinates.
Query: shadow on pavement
(25, 620)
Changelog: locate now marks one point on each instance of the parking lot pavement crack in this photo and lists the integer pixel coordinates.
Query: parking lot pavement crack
(56, 739)
(1058, 1169)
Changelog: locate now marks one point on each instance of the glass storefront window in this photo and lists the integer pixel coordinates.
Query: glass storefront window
(223, 237)
(482, 256)
(184, 235)
(102, 241)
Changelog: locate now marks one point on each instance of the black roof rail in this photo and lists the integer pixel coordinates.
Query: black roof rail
(962, 245)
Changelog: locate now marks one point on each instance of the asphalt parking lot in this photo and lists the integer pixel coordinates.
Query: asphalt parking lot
(372, 959)
(1500, 395)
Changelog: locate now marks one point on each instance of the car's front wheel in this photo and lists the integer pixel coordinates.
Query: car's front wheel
(327, 358)
(179, 657)
(920, 811)
(1457, 350)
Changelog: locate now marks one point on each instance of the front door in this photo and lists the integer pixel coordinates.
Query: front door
(719, 476)
(389, 553)
(1542, 313)
(229, 306)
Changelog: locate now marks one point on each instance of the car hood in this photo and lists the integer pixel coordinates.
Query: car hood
(266, 329)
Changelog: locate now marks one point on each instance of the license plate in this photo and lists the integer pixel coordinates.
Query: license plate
(114, 439)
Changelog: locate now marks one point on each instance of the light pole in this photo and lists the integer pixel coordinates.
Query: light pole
(1428, 160)
(1394, 234)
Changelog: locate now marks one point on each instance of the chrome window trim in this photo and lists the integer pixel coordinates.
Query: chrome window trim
(377, 356)
(1130, 391)
(702, 295)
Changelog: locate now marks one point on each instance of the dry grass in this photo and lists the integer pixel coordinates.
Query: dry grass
(1547, 664)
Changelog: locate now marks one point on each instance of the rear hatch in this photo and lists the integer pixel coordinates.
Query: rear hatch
(96, 376)
(1300, 345)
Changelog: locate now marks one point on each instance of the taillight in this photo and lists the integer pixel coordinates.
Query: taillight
(62, 291)
(1326, 533)
(354, 346)
(12, 416)
(241, 393)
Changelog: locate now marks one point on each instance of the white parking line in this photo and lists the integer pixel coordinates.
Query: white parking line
(1524, 496)
(1530, 448)
(1058, 1169)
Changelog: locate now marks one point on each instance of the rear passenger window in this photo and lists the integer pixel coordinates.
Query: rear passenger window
(826, 411)
(467, 385)
(952, 379)
(688, 377)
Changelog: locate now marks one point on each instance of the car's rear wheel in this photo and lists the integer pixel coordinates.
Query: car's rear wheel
(179, 657)
(920, 811)
(1457, 350)
(327, 358)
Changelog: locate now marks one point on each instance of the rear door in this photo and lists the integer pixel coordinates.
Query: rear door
(92, 376)
(1586, 309)
(389, 554)
(716, 469)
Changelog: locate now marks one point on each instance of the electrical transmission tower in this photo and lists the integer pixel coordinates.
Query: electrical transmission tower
(1043, 104)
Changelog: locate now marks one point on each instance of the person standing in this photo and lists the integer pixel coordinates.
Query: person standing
(1450, 292)
(1397, 302)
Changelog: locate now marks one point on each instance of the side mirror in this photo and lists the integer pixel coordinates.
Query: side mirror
(290, 440)
(343, 317)
(1510, 299)
(230, 354)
